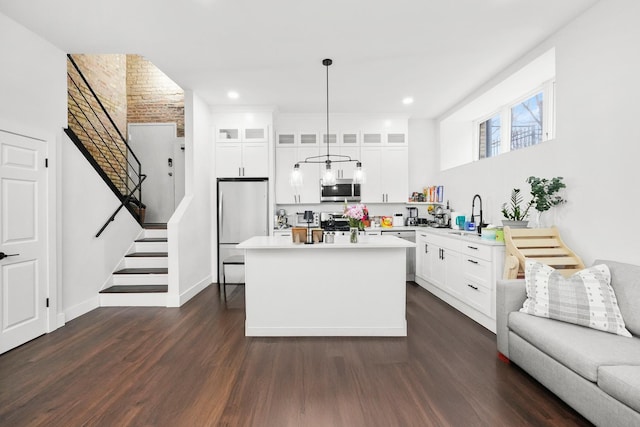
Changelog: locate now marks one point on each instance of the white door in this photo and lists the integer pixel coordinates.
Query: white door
(153, 144)
(23, 240)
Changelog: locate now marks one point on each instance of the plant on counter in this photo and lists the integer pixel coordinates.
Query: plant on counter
(356, 214)
(514, 212)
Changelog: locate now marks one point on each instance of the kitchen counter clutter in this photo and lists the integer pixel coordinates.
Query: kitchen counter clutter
(461, 269)
(324, 289)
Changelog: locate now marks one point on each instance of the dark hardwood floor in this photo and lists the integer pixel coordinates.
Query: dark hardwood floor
(193, 366)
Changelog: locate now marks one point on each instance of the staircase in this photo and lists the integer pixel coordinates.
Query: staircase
(141, 279)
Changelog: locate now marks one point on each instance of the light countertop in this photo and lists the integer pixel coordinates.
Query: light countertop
(276, 242)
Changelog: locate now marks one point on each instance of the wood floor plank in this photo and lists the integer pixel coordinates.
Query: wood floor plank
(193, 366)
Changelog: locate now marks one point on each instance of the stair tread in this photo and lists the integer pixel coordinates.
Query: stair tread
(130, 289)
(155, 225)
(147, 254)
(153, 239)
(142, 271)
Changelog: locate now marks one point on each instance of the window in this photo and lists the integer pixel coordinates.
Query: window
(526, 122)
(490, 136)
(520, 124)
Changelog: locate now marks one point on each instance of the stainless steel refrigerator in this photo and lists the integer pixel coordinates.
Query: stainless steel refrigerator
(243, 212)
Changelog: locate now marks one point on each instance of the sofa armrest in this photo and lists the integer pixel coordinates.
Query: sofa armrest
(510, 295)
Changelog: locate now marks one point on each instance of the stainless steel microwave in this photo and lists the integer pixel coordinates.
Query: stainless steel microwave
(344, 189)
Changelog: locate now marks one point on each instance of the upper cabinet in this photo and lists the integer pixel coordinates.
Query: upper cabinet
(242, 146)
(242, 134)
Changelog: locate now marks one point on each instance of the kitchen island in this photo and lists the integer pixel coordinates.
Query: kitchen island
(325, 289)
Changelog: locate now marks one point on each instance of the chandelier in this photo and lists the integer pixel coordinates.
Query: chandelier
(329, 175)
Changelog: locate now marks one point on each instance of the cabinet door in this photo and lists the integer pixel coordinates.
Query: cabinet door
(453, 273)
(255, 159)
(396, 139)
(285, 159)
(310, 191)
(423, 263)
(395, 174)
(346, 169)
(228, 160)
(372, 164)
(228, 134)
(255, 134)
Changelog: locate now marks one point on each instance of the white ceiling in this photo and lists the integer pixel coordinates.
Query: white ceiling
(271, 52)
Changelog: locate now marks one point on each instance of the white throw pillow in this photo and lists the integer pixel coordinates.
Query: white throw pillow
(586, 298)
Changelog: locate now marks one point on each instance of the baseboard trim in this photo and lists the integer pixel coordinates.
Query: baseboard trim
(179, 300)
(82, 308)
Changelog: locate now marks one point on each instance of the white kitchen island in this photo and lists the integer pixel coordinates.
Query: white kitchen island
(325, 289)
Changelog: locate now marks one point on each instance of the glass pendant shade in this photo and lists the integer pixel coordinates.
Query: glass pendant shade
(296, 179)
(359, 176)
(328, 177)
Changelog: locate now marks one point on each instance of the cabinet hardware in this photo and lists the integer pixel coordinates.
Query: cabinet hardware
(475, 248)
(239, 171)
(426, 248)
(472, 261)
(243, 173)
(475, 288)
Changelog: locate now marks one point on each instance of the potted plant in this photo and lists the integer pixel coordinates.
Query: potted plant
(544, 192)
(514, 214)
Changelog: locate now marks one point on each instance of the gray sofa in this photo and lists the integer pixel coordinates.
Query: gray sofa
(595, 372)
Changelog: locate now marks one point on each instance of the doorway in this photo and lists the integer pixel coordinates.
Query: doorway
(161, 154)
(23, 239)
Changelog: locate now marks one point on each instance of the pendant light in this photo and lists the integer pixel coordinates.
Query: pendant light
(328, 175)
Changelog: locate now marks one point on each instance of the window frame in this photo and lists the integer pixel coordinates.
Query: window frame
(548, 118)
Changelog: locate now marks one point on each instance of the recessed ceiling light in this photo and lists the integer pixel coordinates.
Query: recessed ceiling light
(407, 100)
(233, 94)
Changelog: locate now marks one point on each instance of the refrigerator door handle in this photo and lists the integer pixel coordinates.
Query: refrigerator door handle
(220, 217)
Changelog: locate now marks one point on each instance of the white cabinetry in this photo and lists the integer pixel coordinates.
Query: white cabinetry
(387, 174)
(242, 159)
(461, 271)
(242, 151)
(286, 157)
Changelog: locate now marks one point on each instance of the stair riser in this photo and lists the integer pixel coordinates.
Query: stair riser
(140, 279)
(153, 233)
(146, 262)
(137, 300)
(151, 247)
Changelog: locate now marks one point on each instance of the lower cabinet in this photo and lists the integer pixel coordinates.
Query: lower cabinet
(462, 271)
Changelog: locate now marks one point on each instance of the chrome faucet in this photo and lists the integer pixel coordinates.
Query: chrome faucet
(473, 206)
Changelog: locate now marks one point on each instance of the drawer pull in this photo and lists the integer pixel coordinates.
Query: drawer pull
(472, 261)
(475, 288)
(475, 248)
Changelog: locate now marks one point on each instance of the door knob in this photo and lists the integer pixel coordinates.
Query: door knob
(3, 255)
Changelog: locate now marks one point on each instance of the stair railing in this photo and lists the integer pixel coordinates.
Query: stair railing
(97, 136)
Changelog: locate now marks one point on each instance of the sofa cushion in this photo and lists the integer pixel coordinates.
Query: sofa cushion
(625, 281)
(580, 349)
(621, 383)
(586, 298)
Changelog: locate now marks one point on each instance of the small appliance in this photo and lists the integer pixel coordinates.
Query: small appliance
(398, 220)
(441, 218)
(343, 190)
(301, 221)
(282, 221)
(412, 219)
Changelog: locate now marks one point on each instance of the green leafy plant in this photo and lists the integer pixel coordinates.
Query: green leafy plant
(513, 211)
(544, 192)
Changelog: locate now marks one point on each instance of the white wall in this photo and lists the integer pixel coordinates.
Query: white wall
(191, 257)
(598, 141)
(33, 101)
(89, 261)
(423, 153)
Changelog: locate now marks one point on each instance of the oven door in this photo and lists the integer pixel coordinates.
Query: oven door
(341, 191)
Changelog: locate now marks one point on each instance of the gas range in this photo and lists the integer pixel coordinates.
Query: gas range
(336, 224)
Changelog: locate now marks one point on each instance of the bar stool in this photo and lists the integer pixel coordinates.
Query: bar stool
(232, 260)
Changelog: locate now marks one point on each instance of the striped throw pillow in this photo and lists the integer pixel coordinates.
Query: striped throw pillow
(586, 298)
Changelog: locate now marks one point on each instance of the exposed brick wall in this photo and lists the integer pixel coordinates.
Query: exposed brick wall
(152, 97)
(107, 76)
